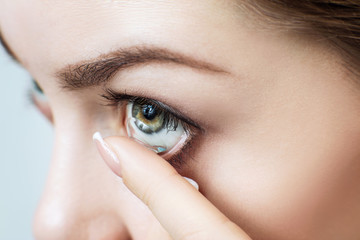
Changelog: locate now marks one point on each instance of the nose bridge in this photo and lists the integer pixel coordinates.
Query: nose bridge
(76, 203)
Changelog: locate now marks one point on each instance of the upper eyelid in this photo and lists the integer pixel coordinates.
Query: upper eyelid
(115, 97)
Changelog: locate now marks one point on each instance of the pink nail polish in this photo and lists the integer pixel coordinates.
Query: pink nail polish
(107, 154)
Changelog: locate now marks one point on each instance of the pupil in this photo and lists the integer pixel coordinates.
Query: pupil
(149, 112)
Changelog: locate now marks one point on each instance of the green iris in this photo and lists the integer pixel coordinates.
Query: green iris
(148, 118)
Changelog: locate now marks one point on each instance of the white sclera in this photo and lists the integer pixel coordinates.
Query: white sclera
(164, 141)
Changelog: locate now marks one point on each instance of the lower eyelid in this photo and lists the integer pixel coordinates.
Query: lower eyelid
(181, 144)
(183, 155)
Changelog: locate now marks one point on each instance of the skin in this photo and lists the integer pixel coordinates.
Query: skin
(279, 155)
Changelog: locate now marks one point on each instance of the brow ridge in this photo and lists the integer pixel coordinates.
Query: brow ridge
(101, 70)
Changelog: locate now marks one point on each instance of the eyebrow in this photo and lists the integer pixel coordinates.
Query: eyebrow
(7, 48)
(101, 70)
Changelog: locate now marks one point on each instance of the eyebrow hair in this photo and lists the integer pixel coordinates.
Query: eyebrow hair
(99, 71)
(7, 48)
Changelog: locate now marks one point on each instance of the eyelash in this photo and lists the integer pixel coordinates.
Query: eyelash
(171, 116)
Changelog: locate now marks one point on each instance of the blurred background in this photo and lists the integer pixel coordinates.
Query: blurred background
(25, 150)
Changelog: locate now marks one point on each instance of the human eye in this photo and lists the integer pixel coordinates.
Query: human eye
(38, 98)
(155, 125)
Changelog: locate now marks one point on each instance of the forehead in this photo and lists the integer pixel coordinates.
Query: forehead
(47, 34)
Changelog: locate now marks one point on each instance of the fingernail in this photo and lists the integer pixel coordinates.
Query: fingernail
(192, 182)
(107, 154)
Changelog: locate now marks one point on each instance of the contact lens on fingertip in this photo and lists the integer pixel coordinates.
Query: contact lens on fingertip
(160, 149)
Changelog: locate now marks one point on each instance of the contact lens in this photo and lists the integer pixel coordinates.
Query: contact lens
(147, 124)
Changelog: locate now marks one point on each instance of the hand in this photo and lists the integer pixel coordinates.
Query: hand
(183, 211)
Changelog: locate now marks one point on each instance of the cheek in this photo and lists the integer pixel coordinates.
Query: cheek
(290, 167)
(282, 194)
(289, 175)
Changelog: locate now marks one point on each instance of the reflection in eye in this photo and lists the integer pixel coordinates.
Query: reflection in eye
(149, 125)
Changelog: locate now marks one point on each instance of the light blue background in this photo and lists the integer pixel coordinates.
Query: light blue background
(25, 150)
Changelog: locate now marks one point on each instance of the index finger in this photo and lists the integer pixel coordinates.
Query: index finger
(179, 207)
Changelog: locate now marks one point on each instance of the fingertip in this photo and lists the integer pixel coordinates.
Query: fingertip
(126, 148)
(107, 154)
(97, 136)
(192, 182)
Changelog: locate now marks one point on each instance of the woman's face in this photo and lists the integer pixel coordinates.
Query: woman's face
(278, 153)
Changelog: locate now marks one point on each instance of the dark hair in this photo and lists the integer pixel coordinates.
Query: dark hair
(335, 21)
